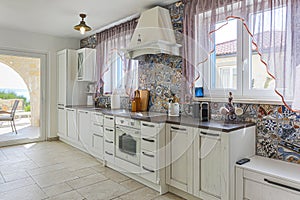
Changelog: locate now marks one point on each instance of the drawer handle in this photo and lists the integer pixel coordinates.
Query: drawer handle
(149, 155)
(209, 134)
(60, 108)
(110, 142)
(149, 170)
(148, 125)
(148, 140)
(179, 129)
(96, 134)
(110, 130)
(282, 185)
(109, 153)
(110, 118)
(99, 115)
(84, 112)
(122, 121)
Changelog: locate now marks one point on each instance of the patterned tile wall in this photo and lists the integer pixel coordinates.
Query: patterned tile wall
(278, 132)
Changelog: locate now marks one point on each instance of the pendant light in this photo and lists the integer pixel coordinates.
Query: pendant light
(82, 27)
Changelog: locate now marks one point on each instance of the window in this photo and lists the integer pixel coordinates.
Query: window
(115, 77)
(235, 64)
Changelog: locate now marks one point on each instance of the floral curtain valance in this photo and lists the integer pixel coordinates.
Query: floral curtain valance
(283, 38)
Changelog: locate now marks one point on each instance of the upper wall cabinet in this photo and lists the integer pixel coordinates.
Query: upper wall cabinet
(86, 60)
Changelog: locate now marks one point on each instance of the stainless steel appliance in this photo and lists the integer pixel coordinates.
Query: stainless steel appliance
(128, 140)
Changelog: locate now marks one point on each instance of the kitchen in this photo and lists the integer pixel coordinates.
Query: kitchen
(186, 141)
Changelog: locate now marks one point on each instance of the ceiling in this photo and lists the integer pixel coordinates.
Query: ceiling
(57, 17)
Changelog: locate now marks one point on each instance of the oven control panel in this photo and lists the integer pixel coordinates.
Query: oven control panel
(128, 122)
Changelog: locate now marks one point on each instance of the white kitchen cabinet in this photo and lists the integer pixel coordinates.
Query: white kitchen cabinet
(84, 132)
(86, 65)
(215, 154)
(179, 145)
(208, 163)
(109, 138)
(72, 133)
(153, 160)
(266, 179)
(62, 122)
(97, 134)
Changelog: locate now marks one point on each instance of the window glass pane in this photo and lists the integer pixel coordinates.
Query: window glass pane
(266, 26)
(224, 59)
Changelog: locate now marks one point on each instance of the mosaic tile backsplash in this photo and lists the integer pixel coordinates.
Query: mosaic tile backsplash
(277, 132)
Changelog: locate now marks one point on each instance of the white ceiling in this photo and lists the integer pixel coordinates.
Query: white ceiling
(57, 17)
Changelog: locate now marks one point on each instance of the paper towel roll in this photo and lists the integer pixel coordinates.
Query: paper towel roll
(115, 101)
(89, 101)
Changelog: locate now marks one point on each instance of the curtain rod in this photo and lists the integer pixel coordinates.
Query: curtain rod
(115, 23)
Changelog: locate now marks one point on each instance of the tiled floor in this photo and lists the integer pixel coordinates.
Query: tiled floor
(54, 170)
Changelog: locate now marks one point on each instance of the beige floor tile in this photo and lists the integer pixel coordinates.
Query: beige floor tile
(57, 189)
(140, 194)
(53, 178)
(45, 169)
(85, 172)
(103, 190)
(169, 196)
(114, 175)
(72, 195)
(99, 168)
(132, 185)
(87, 180)
(15, 176)
(25, 193)
(11, 186)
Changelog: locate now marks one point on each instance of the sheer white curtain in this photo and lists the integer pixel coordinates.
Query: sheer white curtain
(117, 73)
(274, 26)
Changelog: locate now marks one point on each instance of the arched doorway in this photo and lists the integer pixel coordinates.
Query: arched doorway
(20, 79)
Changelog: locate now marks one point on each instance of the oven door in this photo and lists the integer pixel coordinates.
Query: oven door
(128, 144)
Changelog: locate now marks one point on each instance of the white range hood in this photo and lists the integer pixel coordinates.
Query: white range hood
(154, 34)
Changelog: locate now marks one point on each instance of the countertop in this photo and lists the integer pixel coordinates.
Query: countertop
(164, 118)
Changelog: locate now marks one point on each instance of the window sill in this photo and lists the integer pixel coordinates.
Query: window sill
(242, 100)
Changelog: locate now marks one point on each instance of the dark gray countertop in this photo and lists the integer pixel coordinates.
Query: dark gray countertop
(164, 118)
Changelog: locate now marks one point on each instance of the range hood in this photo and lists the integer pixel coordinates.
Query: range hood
(154, 34)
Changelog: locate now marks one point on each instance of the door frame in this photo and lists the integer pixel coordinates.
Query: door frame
(44, 91)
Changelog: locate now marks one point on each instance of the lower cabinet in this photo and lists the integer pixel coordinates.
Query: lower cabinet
(62, 122)
(97, 145)
(207, 164)
(72, 133)
(84, 132)
(266, 179)
(179, 147)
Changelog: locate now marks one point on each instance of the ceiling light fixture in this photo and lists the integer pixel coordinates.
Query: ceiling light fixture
(82, 27)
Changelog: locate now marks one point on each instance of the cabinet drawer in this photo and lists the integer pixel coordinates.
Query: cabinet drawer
(97, 127)
(149, 129)
(148, 159)
(149, 143)
(109, 133)
(109, 121)
(97, 117)
(149, 174)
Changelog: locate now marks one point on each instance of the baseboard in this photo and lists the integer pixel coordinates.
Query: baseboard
(50, 139)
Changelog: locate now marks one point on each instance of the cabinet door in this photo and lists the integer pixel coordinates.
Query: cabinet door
(72, 124)
(210, 163)
(62, 130)
(84, 132)
(179, 157)
(80, 64)
(62, 77)
(98, 145)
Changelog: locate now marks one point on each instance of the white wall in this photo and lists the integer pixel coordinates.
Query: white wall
(40, 43)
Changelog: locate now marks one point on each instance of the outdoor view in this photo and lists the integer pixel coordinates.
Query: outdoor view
(19, 81)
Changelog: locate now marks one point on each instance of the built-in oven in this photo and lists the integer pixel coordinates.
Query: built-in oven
(128, 141)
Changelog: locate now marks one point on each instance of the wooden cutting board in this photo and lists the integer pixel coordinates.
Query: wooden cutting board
(144, 94)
